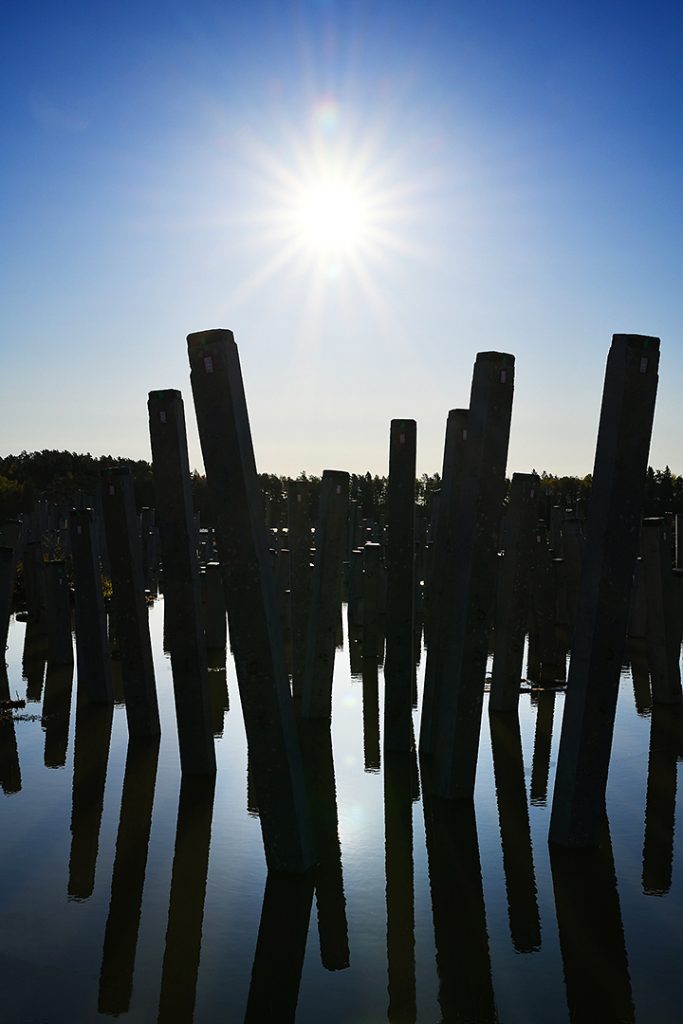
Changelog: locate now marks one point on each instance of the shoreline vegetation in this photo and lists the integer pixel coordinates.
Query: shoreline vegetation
(58, 476)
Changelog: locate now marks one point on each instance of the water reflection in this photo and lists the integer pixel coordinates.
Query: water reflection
(640, 674)
(33, 661)
(280, 948)
(192, 692)
(91, 755)
(316, 748)
(513, 815)
(10, 773)
(128, 878)
(398, 837)
(543, 737)
(462, 945)
(355, 649)
(218, 690)
(188, 892)
(591, 934)
(56, 713)
(666, 743)
(371, 747)
(122, 946)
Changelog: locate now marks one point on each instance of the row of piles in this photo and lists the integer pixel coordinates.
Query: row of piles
(468, 588)
(463, 586)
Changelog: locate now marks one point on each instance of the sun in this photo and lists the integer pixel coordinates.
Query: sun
(331, 217)
(330, 209)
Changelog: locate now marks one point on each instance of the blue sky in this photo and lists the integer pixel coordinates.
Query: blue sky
(518, 169)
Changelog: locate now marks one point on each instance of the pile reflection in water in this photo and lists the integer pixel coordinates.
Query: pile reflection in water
(159, 951)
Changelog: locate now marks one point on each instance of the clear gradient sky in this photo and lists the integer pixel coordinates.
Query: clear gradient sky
(366, 193)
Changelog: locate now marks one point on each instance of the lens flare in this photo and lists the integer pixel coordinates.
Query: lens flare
(326, 116)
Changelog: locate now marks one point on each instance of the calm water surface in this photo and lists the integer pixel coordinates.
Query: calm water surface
(121, 894)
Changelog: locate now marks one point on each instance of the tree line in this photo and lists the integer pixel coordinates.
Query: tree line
(59, 476)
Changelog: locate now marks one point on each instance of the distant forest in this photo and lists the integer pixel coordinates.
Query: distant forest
(59, 476)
